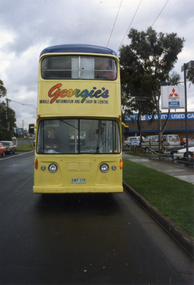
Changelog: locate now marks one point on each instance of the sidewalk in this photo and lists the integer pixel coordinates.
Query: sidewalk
(174, 169)
(179, 171)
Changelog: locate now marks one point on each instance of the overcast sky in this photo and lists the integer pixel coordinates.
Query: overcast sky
(27, 27)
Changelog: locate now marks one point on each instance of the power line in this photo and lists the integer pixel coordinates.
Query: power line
(114, 23)
(160, 13)
(29, 105)
(130, 23)
(135, 15)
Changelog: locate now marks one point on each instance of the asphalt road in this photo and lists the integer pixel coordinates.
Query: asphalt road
(80, 238)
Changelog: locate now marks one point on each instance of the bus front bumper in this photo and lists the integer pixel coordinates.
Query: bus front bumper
(86, 189)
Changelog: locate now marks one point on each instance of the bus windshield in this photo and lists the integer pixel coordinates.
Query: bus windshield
(79, 67)
(73, 136)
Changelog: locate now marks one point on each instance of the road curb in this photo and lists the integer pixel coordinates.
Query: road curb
(175, 231)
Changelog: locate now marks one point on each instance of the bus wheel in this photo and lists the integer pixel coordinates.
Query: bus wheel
(3, 154)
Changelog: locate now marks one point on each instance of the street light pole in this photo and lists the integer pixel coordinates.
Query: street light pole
(29, 105)
(186, 120)
(184, 68)
(158, 87)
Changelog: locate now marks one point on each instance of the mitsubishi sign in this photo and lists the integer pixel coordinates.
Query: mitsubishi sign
(172, 97)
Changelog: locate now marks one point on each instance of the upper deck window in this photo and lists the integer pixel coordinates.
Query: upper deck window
(79, 67)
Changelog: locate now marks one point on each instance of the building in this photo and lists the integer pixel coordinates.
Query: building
(175, 125)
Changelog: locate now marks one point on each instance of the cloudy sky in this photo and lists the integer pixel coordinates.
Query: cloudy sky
(27, 27)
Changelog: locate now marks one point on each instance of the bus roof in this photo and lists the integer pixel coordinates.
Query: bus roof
(78, 48)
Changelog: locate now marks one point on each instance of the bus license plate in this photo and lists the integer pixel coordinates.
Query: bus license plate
(78, 180)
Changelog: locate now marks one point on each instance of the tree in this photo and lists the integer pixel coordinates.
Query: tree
(5, 134)
(7, 115)
(3, 90)
(145, 62)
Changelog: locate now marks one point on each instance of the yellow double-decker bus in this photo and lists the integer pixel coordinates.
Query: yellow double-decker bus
(78, 138)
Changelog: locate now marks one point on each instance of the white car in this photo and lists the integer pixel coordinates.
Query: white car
(169, 141)
(132, 141)
(11, 147)
(182, 153)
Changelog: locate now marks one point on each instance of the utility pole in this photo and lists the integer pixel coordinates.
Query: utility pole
(140, 99)
(8, 122)
(159, 117)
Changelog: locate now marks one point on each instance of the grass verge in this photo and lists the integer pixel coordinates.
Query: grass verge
(174, 197)
(25, 147)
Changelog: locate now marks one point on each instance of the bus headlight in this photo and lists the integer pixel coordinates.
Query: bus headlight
(104, 167)
(52, 168)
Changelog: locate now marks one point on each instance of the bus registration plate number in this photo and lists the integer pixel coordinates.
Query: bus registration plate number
(78, 180)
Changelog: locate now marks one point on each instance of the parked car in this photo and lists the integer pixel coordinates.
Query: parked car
(132, 141)
(2, 149)
(169, 141)
(183, 141)
(182, 153)
(11, 147)
(171, 151)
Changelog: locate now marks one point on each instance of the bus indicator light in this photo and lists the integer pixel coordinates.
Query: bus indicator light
(36, 163)
(121, 164)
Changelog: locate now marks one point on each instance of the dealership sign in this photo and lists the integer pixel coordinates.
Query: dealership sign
(163, 117)
(172, 97)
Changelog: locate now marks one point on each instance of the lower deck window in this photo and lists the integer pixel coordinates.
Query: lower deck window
(69, 136)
